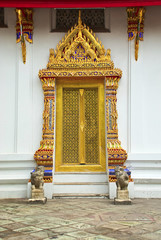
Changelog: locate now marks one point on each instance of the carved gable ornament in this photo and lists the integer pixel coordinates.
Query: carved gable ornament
(80, 54)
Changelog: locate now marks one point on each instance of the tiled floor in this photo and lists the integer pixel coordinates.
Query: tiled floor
(84, 219)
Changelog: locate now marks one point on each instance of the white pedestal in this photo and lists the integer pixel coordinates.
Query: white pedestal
(48, 190)
(112, 190)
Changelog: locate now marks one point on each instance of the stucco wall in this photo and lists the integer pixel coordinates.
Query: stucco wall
(139, 96)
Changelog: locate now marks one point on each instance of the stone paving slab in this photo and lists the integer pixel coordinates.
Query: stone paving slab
(81, 219)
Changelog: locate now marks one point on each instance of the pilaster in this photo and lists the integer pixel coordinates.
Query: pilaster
(116, 154)
(44, 155)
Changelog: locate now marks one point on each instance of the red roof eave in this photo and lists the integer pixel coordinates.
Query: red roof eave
(76, 4)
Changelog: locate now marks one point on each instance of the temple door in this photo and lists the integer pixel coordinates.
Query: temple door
(80, 125)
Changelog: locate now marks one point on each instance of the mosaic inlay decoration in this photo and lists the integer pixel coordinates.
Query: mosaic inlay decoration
(79, 54)
(44, 155)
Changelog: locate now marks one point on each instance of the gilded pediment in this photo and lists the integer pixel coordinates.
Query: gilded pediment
(80, 54)
(79, 46)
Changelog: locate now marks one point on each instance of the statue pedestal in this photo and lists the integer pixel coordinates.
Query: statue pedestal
(37, 196)
(37, 193)
(122, 198)
(41, 200)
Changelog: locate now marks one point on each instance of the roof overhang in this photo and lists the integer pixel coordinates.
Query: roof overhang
(76, 4)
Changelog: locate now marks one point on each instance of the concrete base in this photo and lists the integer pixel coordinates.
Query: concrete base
(37, 193)
(112, 190)
(122, 201)
(48, 190)
(122, 194)
(38, 200)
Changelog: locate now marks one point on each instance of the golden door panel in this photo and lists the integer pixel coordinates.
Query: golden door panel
(70, 137)
(91, 126)
(80, 126)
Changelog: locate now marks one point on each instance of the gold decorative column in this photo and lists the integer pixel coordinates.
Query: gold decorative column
(24, 28)
(136, 26)
(44, 155)
(116, 154)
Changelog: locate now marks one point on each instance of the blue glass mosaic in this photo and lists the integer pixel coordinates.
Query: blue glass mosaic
(110, 117)
(50, 115)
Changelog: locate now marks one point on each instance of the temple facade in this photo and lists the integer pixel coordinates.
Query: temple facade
(80, 103)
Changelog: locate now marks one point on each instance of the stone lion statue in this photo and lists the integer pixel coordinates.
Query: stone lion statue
(37, 178)
(122, 178)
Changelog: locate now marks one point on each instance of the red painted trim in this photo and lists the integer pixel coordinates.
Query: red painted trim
(76, 4)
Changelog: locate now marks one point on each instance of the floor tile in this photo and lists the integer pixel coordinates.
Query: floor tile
(100, 238)
(79, 234)
(2, 229)
(80, 219)
(81, 225)
(27, 229)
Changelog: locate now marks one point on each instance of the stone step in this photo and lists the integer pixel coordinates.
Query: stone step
(80, 188)
(79, 177)
(76, 195)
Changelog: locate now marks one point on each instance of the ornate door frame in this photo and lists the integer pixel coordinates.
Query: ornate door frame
(79, 54)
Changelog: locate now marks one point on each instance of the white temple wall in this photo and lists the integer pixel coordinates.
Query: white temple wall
(8, 81)
(138, 96)
(144, 104)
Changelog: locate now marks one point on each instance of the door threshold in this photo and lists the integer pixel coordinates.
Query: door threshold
(80, 183)
(77, 195)
(57, 173)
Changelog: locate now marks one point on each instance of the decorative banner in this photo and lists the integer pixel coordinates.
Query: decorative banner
(136, 26)
(24, 28)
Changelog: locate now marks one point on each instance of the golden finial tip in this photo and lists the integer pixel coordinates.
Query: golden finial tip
(79, 18)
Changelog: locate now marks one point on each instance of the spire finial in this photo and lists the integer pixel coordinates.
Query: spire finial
(79, 24)
(79, 18)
